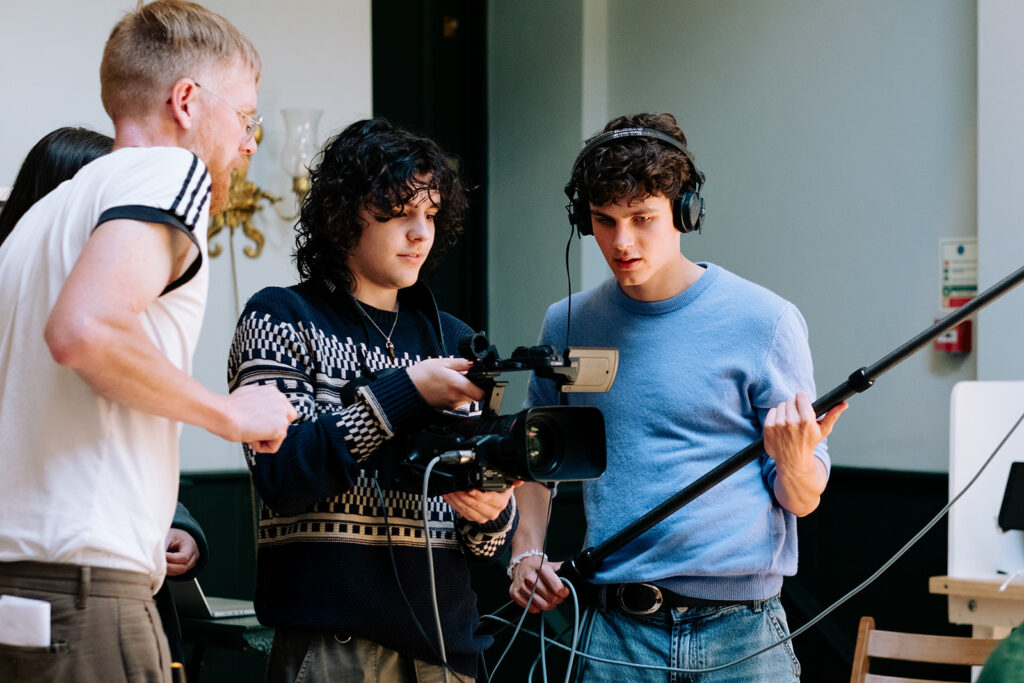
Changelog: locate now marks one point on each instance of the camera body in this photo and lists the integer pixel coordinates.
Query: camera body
(546, 444)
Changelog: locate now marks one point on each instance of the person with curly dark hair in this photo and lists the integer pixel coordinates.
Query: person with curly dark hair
(345, 181)
(708, 363)
(362, 352)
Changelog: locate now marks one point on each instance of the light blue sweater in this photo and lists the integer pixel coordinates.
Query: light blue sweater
(697, 375)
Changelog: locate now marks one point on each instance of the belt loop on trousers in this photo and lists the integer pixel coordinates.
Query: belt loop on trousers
(84, 579)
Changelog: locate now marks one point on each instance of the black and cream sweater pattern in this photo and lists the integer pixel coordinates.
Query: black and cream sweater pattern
(326, 559)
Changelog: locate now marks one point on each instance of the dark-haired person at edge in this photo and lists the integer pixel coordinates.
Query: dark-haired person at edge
(57, 157)
(708, 363)
(102, 292)
(366, 358)
(186, 554)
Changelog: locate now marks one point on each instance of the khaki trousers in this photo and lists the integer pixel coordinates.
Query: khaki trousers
(315, 656)
(103, 626)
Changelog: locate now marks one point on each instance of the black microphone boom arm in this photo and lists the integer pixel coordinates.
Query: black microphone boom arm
(585, 564)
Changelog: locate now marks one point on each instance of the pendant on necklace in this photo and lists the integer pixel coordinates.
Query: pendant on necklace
(390, 347)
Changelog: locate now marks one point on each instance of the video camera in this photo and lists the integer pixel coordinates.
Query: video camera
(548, 444)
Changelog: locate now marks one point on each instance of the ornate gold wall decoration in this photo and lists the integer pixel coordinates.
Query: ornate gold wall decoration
(245, 198)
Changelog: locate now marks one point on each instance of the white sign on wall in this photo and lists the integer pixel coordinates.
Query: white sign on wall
(958, 258)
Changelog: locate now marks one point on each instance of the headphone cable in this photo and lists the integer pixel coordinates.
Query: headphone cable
(568, 279)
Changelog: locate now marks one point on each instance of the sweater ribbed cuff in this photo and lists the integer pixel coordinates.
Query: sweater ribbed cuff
(395, 399)
(498, 523)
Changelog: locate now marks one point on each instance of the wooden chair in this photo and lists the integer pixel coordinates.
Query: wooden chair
(913, 647)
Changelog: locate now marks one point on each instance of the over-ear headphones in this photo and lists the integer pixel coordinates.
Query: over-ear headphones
(687, 207)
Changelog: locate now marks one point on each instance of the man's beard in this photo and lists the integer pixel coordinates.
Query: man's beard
(220, 192)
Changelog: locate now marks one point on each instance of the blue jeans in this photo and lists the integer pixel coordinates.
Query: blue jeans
(693, 638)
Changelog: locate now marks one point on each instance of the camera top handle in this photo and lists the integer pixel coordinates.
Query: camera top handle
(542, 360)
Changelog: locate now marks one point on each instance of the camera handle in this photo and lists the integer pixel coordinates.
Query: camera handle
(494, 392)
(587, 562)
(487, 364)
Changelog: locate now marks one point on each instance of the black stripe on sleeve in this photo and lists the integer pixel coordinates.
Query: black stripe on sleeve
(192, 199)
(188, 181)
(189, 273)
(149, 214)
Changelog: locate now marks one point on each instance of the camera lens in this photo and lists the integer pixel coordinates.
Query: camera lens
(543, 447)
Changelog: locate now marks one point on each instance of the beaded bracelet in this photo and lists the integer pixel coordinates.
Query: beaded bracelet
(522, 556)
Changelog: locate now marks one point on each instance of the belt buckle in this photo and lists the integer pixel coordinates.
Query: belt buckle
(657, 599)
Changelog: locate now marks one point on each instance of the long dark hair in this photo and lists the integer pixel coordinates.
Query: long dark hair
(55, 158)
(371, 165)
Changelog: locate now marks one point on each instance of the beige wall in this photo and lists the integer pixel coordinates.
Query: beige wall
(839, 140)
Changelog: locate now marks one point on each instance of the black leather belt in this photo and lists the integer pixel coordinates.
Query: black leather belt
(646, 598)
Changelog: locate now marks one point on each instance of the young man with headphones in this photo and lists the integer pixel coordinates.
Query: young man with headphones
(708, 363)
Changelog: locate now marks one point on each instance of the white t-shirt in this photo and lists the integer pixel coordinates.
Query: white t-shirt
(84, 480)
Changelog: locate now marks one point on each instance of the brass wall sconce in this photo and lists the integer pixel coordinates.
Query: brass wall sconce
(300, 147)
(244, 196)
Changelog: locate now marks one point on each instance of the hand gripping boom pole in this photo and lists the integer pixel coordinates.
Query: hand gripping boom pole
(585, 563)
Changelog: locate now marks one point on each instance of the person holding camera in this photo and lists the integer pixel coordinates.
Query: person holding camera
(362, 352)
(709, 363)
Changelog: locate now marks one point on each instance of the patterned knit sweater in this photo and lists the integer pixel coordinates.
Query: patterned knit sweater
(326, 560)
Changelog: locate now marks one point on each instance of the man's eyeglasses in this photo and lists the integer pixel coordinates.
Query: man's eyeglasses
(252, 123)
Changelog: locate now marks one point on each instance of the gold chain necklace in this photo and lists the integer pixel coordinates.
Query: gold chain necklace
(387, 337)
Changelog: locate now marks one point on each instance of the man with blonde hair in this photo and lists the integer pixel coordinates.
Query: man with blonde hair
(110, 271)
